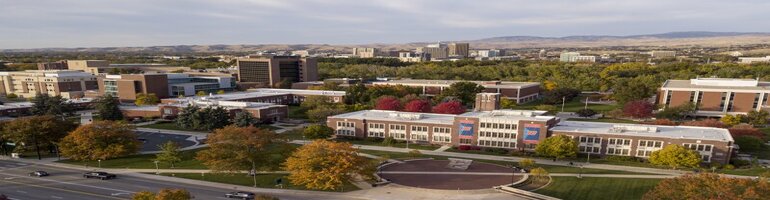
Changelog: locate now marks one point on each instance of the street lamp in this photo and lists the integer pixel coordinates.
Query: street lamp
(100, 163)
(157, 169)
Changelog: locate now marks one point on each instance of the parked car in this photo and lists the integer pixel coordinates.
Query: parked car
(99, 175)
(240, 195)
(39, 173)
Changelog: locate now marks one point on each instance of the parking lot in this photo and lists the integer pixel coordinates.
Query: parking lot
(152, 140)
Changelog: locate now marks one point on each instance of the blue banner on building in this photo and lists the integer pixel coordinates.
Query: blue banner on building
(532, 133)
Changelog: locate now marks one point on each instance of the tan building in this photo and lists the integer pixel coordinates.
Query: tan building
(663, 54)
(521, 92)
(270, 70)
(90, 66)
(59, 65)
(66, 83)
(716, 96)
(459, 50)
(365, 52)
(127, 86)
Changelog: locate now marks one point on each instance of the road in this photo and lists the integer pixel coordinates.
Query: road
(67, 183)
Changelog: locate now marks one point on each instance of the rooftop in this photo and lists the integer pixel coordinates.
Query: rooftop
(388, 115)
(445, 83)
(673, 132)
(717, 83)
(536, 115)
(299, 91)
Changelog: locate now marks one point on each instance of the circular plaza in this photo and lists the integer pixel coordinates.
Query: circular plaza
(456, 174)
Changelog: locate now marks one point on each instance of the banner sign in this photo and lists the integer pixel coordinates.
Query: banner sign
(466, 129)
(532, 133)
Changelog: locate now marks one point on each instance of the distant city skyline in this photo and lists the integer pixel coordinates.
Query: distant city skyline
(94, 23)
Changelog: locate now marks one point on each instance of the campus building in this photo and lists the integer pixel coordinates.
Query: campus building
(521, 92)
(366, 52)
(458, 50)
(66, 83)
(128, 86)
(716, 96)
(261, 111)
(270, 70)
(268, 95)
(523, 130)
(663, 54)
(575, 57)
(97, 67)
(750, 60)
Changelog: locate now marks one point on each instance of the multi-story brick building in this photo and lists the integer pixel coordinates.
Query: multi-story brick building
(716, 96)
(523, 130)
(260, 111)
(66, 83)
(521, 92)
(127, 86)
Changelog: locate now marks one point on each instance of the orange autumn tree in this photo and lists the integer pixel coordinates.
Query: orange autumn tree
(100, 140)
(709, 186)
(325, 165)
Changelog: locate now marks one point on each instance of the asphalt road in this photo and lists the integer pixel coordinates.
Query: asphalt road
(69, 184)
(152, 140)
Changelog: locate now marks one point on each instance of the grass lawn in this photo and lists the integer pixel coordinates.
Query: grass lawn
(399, 144)
(144, 161)
(263, 180)
(744, 172)
(294, 134)
(296, 112)
(598, 188)
(170, 125)
(571, 106)
(549, 168)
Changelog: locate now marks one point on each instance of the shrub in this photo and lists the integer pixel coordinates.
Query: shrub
(729, 166)
(464, 147)
(749, 143)
(740, 163)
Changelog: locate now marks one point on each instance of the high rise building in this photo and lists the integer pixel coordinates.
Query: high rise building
(270, 70)
(458, 49)
(66, 83)
(58, 65)
(575, 57)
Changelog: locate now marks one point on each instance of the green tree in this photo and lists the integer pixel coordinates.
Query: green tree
(356, 93)
(757, 118)
(101, 140)
(750, 143)
(243, 119)
(732, 120)
(317, 131)
(464, 91)
(312, 102)
(675, 156)
(526, 163)
(220, 92)
(319, 114)
(506, 103)
(325, 165)
(586, 112)
(677, 112)
(627, 90)
(539, 174)
(185, 117)
(233, 149)
(48, 105)
(36, 132)
(108, 108)
(558, 147)
(143, 99)
(169, 152)
(200, 93)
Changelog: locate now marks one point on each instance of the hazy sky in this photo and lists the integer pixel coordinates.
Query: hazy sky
(101, 23)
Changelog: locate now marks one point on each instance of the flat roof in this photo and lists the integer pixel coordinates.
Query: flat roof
(15, 105)
(446, 83)
(140, 108)
(229, 96)
(534, 115)
(300, 91)
(398, 116)
(717, 84)
(672, 132)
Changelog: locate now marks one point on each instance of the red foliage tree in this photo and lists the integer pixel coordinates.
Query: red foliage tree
(387, 103)
(638, 109)
(451, 107)
(417, 105)
(738, 132)
(705, 123)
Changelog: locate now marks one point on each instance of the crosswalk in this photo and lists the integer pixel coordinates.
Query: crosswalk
(4, 166)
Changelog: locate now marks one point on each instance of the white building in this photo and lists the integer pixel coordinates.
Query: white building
(749, 60)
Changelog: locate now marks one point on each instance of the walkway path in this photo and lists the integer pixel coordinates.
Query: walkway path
(552, 174)
(443, 148)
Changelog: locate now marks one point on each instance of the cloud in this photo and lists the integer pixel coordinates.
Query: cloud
(55, 23)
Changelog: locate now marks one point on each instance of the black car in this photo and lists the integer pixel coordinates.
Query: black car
(39, 173)
(240, 195)
(99, 175)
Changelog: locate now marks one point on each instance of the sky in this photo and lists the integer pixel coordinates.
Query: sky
(120, 23)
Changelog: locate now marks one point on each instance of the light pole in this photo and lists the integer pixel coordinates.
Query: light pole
(589, 158)
(580, 174)
(586, 107)
(407, 141)
(563, 100)
(100, 163)
(157, 169)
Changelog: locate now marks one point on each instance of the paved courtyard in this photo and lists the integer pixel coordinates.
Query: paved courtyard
(153, 139)
(434, 174)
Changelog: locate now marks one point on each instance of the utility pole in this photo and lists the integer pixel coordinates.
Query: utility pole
(563, 100)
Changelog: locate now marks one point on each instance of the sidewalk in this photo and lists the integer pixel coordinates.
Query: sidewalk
(516, 159)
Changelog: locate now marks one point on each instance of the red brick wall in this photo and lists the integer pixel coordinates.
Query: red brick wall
(743, 102)
(711, 101)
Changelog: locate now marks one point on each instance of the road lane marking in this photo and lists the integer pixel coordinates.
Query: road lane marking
(56, 197)
(119, 193)
(19, 191)
(60, 189)
(67, 183)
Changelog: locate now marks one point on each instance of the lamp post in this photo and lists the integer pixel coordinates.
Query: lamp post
(563, 100)
(100, 163)
(157, 169)
(588, 160)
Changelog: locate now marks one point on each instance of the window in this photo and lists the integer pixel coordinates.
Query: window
(377, 126)
(420, 128)
(590, 140)
(346, 124)
(465, 141)
(397, 127)
(442, 138)
(442, 130)
(619, 141)
(699, 147)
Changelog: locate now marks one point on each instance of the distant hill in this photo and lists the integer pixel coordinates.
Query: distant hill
(672, 39)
